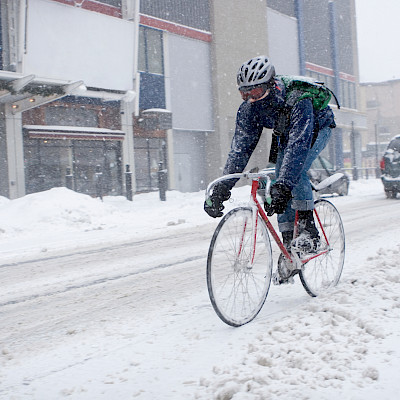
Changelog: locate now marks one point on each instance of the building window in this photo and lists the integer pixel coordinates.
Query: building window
(151, 58)
(347, 94)
(195, 13)
(151, 67)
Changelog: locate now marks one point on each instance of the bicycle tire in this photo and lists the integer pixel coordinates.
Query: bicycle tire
(324, 271)
(237, 291)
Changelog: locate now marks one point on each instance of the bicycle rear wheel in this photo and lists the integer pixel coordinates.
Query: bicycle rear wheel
(324, 271)
(239, 267)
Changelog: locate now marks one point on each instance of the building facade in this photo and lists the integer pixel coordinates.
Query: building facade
(151, 84)
(67, 78)
(382, 100)
(176, 36)
(316, 38)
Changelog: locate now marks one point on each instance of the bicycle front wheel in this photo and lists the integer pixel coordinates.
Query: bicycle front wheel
(239, 267)
(323, 272)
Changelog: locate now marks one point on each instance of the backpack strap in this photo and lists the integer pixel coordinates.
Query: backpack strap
(282, 121)
(334, 96)
(283, 118)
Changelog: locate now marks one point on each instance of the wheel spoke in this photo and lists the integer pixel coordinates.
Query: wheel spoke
(324, 271)
(238, 276)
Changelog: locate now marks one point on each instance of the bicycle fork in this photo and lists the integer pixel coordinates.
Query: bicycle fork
(253, 240)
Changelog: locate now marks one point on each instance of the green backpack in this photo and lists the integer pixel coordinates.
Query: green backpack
(302, 87)
(299, 88)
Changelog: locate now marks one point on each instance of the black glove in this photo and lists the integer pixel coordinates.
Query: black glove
(213, 205)
(280, 196)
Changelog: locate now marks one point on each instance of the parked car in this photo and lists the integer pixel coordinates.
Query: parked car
(390, 168)
(321, 169)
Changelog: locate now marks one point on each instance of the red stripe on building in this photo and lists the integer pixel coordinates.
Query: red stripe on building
(327, 71)
(175, 28)
(319, 68)
(347, 77)
(93, 6)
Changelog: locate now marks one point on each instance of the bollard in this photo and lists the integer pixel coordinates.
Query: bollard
(355, 173)
(128, 182)
(99, 182)
(162, 181)
(69, 179)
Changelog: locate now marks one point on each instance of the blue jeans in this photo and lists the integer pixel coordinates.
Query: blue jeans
(302, 192)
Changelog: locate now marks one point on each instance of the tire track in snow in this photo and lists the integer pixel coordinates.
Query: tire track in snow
(101, 281)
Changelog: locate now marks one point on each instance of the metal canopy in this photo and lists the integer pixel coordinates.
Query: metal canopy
(24, 92)
(72, 132)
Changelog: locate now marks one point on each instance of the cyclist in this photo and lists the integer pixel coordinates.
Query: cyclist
(301, 135)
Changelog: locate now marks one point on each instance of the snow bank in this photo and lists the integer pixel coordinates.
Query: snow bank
(55, 209)
(60, 218)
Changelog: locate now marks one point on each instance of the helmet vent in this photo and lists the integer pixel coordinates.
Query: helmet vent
(262, 74)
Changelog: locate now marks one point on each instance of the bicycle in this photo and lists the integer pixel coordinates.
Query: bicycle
(240, 261)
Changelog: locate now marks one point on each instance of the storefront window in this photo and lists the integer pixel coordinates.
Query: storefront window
(45, 164)
(149, 152)
(47, 161)
(96, 156)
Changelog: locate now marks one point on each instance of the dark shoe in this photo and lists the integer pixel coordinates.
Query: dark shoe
(304, 243)
(308, 239)
(287, 238)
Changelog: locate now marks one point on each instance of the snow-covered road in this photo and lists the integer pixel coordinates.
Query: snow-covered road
(132, 319)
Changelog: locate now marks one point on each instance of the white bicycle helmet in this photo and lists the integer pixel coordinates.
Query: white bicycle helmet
(257, 71)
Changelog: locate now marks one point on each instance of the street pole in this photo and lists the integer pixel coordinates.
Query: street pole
(353, 151)
(377, 169)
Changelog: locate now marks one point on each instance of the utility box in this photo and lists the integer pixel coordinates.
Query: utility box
(156, 119)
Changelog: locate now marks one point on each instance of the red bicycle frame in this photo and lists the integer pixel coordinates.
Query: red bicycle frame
(254, 187)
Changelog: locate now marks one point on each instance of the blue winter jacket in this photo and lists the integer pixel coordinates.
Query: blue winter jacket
(295, 140)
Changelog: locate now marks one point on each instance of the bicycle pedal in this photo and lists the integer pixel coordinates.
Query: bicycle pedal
(277, 280)
(303, 255)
